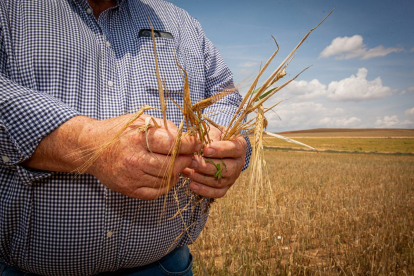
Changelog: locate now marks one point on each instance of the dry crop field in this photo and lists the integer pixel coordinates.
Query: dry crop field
(350, 140)
(369, 145)
(351, 133)
(317, 214)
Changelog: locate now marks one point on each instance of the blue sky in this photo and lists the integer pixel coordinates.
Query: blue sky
(362, 57)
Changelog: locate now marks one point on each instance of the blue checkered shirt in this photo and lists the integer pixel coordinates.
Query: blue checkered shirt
(57, 61)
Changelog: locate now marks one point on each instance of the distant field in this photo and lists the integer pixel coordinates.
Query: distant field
(349, 140)
(351, 133)
(379, 145)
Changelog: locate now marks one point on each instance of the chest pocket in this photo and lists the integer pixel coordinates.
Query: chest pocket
(170, 73)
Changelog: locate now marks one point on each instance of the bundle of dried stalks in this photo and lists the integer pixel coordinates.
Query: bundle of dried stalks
(197, 123)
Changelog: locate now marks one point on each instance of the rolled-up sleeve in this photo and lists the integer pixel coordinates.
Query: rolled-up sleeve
(26, 117)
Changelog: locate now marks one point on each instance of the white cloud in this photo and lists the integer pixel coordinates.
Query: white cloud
(380, 51)
(306, 90)
(409, 112)
(353, 47)
(355, 88)
(358, 88)
(393, 122)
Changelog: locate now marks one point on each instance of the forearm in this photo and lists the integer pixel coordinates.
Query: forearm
(64, 149)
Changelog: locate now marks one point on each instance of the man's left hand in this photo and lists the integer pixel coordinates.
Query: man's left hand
(215, 172)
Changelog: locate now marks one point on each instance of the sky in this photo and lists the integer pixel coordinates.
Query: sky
(362, 57)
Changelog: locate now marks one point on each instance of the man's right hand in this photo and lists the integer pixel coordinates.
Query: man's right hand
(127, 167)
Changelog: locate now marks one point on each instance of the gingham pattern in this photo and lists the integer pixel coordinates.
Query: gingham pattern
(58, 62)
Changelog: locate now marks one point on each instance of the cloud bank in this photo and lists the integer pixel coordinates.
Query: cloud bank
(393, 122)
(303, 115)
(313, 105)
(353, 47)
(356, 88)
(309, 115)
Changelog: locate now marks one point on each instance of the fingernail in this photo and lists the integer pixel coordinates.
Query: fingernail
(186, 172)
(210, 152)
(193, 165)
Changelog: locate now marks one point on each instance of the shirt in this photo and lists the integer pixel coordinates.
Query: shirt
(56, 62)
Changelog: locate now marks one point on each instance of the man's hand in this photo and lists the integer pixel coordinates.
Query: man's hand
(127, 167)
(229, 156)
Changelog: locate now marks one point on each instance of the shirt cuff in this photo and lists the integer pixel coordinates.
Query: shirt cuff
(25, 119)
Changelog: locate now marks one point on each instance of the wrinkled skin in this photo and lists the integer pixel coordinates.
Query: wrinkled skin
(132, 169)
(232, 153)
(129, 167)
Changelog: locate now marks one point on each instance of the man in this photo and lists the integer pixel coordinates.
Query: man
(71, 72)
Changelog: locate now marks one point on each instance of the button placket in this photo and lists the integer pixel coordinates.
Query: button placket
(113, 97)
(113, 224)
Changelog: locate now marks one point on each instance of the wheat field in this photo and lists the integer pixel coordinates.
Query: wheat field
(317, 214)
(367, 145)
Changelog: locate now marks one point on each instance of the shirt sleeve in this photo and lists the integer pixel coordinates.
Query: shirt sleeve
(219, 78)
(26, 116)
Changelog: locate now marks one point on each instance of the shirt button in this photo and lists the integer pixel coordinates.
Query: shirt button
(108, 44)
(5, 159)
(88, 11)
(109, 234)
(110, 83)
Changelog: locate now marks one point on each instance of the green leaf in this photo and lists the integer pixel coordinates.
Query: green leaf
(265, 94)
